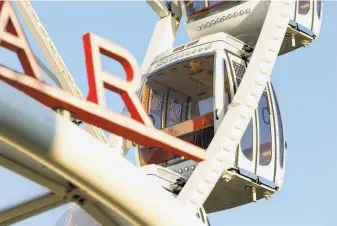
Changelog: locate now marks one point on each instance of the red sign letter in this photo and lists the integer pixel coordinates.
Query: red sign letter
(98, 79)
(13, 38)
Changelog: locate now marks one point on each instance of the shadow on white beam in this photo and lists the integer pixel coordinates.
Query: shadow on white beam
(103, 175)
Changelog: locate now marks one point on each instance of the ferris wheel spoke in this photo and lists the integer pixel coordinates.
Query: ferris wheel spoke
(62, 77)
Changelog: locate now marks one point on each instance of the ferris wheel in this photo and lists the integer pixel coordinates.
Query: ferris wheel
(205, 124)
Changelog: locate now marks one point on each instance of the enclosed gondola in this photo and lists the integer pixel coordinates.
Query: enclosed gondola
(244, 20)
(186, 93)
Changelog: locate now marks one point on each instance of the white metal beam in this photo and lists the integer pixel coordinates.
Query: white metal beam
(221, 152)
(31, 174)
(158, 7)
(52, 56)
(105, 176)
(31, 208)
(48, 72)
(162, 39)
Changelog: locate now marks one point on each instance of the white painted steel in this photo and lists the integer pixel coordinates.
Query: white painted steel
(243, 21)
(162, 39)
(31, 208)
(158, 7)
(52, 56)
(305, 20)
(221, 152)
(242, 161)
(105, 176)
(48, 72)
(28, 173)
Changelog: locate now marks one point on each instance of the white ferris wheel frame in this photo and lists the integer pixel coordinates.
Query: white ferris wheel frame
(65, 157)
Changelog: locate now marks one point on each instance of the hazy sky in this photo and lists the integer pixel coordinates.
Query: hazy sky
(305, 82)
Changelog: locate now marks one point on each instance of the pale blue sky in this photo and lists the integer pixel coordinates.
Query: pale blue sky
(305, 81)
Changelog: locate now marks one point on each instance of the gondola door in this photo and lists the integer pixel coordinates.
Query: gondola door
(246, 152)
(280, 142)
(265, 169)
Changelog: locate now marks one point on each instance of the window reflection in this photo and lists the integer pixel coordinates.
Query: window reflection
(175, 111)
(265, 154)
(280, 145)
(227, 99)
(303, 6)
(205, 106)
(247, 142)
(156, 108)
(319, 8)
(199, 9)
(247, 139)
(213, 3)
(193, 7)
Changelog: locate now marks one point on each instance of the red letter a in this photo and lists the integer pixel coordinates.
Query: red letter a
(13, 38)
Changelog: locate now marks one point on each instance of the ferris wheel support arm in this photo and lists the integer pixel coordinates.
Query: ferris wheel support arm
(159, 7)
(101, 175)
(162, 39)
(65, 79)
(30, 174)
(221, 152)
(48, 72)
(31, 208)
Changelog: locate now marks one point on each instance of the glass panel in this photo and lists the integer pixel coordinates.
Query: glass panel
(247, 142)
(175, 111)
(156, 108)
(192, 7)
(303, 6)
(265, 154)
(199, 9)
(319, 8)
(205, 106)
(208, 223)
(227, 89)
(247, 139)
(280, 132)
(227, 99)
(213, 3)
(239, 69)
